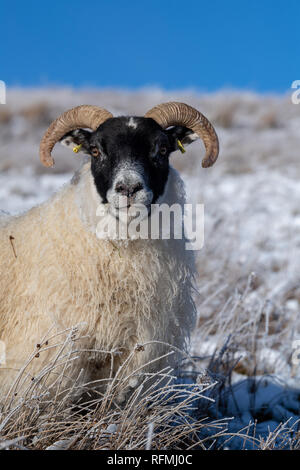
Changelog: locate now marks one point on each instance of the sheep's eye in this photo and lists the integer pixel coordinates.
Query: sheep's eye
(95, 152)
(163, 150)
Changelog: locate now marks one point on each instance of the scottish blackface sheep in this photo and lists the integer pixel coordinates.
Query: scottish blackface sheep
(116, 297)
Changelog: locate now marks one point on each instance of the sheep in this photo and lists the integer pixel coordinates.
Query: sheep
(115, 297)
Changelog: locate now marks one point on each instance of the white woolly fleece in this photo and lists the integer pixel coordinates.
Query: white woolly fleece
(55, 274)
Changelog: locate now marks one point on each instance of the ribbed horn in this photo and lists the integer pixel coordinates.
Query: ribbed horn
(82, 116)
(180, 114)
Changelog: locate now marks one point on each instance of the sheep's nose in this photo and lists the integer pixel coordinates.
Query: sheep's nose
(128, 189)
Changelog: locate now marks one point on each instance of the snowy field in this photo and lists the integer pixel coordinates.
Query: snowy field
(249, 277)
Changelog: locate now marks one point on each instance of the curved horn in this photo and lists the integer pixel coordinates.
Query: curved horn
(180, 114)
(82, 116)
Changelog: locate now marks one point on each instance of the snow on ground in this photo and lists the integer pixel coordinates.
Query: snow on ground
(19, 191)
(249, 276)
(253, 236)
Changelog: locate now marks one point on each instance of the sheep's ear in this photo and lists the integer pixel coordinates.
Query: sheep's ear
(78, 139)
(183, 134)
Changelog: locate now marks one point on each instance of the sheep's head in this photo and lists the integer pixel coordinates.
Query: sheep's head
(130, 155)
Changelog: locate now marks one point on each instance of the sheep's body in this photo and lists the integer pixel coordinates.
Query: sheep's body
(55, 273)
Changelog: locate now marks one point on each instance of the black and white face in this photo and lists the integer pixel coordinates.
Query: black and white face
(129, 159)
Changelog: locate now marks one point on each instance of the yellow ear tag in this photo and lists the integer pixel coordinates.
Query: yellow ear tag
(181, 147)
(77, 148)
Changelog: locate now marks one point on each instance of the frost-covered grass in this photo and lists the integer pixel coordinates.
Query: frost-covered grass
(159, 414)
(185, 408)
(249, 279)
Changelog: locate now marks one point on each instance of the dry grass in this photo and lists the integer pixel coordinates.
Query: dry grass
(158, 414)
(5, 116)
(168, 410)
(37, 114)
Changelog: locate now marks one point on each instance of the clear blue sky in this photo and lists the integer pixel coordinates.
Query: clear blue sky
(206, 45)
